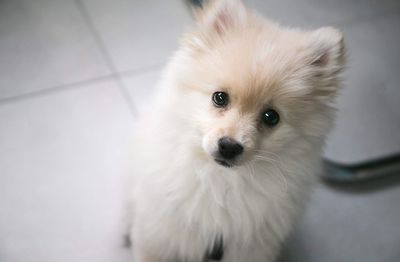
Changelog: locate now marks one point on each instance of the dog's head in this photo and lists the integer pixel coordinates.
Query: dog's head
(253, 88)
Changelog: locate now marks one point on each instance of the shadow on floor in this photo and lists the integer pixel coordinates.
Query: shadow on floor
(367, 186)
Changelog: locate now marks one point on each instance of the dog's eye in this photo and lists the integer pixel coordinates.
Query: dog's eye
(220, 99)
(270, 117)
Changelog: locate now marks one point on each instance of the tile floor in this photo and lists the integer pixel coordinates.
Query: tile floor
(73, 75)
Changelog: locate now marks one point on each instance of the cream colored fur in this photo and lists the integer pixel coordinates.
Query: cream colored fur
(181, 198)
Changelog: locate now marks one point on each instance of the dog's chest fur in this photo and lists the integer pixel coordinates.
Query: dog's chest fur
(194, 203)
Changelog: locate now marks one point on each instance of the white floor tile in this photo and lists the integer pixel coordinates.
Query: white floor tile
(44, 43)
(357, 223)
(139, 34)
(315, 13)
(295, 13)
(343, 11)
(141, 88)
(61, 176)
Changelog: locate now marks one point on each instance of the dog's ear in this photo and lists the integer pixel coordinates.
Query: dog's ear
(326, 58)
(218, 17)
(327, 48)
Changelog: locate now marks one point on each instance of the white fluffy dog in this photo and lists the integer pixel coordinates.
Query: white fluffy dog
(227, 155)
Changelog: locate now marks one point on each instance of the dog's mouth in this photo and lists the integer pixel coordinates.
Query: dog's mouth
(223, 162)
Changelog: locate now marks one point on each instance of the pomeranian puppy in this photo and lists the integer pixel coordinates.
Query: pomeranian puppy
(227, 154)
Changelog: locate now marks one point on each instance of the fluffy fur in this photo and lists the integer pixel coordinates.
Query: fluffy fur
(182, 199)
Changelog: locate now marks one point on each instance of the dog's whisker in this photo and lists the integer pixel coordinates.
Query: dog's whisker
(268, 153)
(278, 168)
(255, 184)
(250, 167)
(265, 159)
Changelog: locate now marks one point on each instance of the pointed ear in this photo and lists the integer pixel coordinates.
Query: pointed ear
(326, 49)
(326, 59)
(220, 16)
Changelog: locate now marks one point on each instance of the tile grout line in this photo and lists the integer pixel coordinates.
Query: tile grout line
(59, 88)
(145, 69)
(53, 89)
(109, 62)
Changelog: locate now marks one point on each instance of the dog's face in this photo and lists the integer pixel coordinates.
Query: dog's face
(253, 88)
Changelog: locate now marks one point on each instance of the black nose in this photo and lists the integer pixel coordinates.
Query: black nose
(229, 147)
